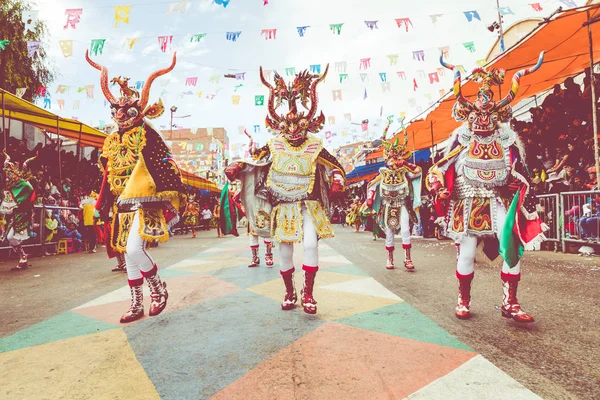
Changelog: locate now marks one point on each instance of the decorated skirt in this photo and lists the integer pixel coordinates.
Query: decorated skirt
(474, 216)
(153, 227)
(287, 222)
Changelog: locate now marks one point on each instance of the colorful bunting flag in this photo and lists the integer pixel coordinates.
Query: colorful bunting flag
(29, 19)
(199, 93)
(383, 76)
(67, 47)
(237, 87)
(340, 66)
(62, 89)
(343, 77)
(442, 92)
(434, 77)
(224, 3)
(445, 50)
(419, 55)
(265, 2)
(232, 36)
(421, 73)
(3, 44)
(89, 91)
(404, 21)
(371, 24)
(97, 46)
(101, 124)
(32, 46)
(235, 99)
(365, 63)
(415, 86)
(385, 87)
(470, 46)
(290, 71)
(139, 85)
(269, 34)
(412, 102)
(240, 76)
(214, 78)
(441, 71)
(122, 14)
(482, 62)
(20, 92)
(393, 59)
(365, 125)
(315, 68)
(197, 37)
(470, 15)
(365, 95)
(505, 11)
(401, 75)
(165, 43)
(347, 117)
(267, 73)
(259, 100)
(191, 81)
(536, 7)
(331, 120)
(61, 104)
(257, 128)
(129, 42)
(177, 7)
(435, 17)
(364, 77)
(336, 28)
(73, 17)
(302, 30)
(569, 3)
(47, 102)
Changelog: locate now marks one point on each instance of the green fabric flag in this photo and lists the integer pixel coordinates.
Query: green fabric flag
(228, 218)
(511, 248)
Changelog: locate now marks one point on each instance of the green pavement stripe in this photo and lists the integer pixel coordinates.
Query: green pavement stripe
(63, 326)
(403, 320)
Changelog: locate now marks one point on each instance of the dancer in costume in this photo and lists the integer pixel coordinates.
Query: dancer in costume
(354, 218)
(190, 217)
(395, 194)
(258, 224)
(16, 206)
(484, 175)
(142, 184)
(288, 183)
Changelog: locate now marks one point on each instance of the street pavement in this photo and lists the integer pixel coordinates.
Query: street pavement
(378, 334)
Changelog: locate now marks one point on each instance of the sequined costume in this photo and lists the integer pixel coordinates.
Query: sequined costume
(395, 194)
(141, 183)
(485, 179)
(191, 215)
(287, 184)
(354, 217)
(16, 206)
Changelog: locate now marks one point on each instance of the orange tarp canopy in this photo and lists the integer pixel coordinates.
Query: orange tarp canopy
(563, 38)
(198, 182)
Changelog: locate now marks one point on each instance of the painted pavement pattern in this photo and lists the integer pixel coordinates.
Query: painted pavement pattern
(224, 336)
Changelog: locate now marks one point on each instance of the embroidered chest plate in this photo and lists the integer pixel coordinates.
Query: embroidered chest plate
(8, 203)
(487, 159)
(292, 173)
(122, 153)
(394, 187)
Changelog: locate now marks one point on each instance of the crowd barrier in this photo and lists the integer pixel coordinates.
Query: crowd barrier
(62, 214)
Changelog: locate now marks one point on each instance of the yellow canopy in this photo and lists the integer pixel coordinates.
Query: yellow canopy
(22, 110)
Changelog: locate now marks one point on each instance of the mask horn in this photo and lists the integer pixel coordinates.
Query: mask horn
(516, 80)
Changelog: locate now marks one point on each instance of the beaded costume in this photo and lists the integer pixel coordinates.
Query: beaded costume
(485, 179)
(191, 216)
(16, 206)
(142, 184)
(395, 194)
(287, 184)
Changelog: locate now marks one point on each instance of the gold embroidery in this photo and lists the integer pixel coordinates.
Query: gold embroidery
(153, 225)
(122, 154)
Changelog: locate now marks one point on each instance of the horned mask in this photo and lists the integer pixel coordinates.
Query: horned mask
(484, 113)
(131, 108)
(394, 152)
(12, 171)
(295, 125)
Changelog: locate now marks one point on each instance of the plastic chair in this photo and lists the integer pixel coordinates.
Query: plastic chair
(65, 246)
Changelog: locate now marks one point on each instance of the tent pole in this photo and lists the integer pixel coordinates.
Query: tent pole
(594, 105)
(3, 127)
(59, 143)
(78, 154)
(432, 141)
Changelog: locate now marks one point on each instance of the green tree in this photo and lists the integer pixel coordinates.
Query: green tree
(17, 69)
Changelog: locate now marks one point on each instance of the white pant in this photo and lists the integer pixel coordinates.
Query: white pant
(136, 258)
(404, 230)
(10, 237)
(468, 248)
(254, 240)
(310, 242)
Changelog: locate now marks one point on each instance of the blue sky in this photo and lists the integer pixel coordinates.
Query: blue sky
(214, 55)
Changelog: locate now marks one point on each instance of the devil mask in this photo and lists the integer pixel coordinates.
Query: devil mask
(484, 113)
(394, 152)
(131, 108)
(295, 125)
